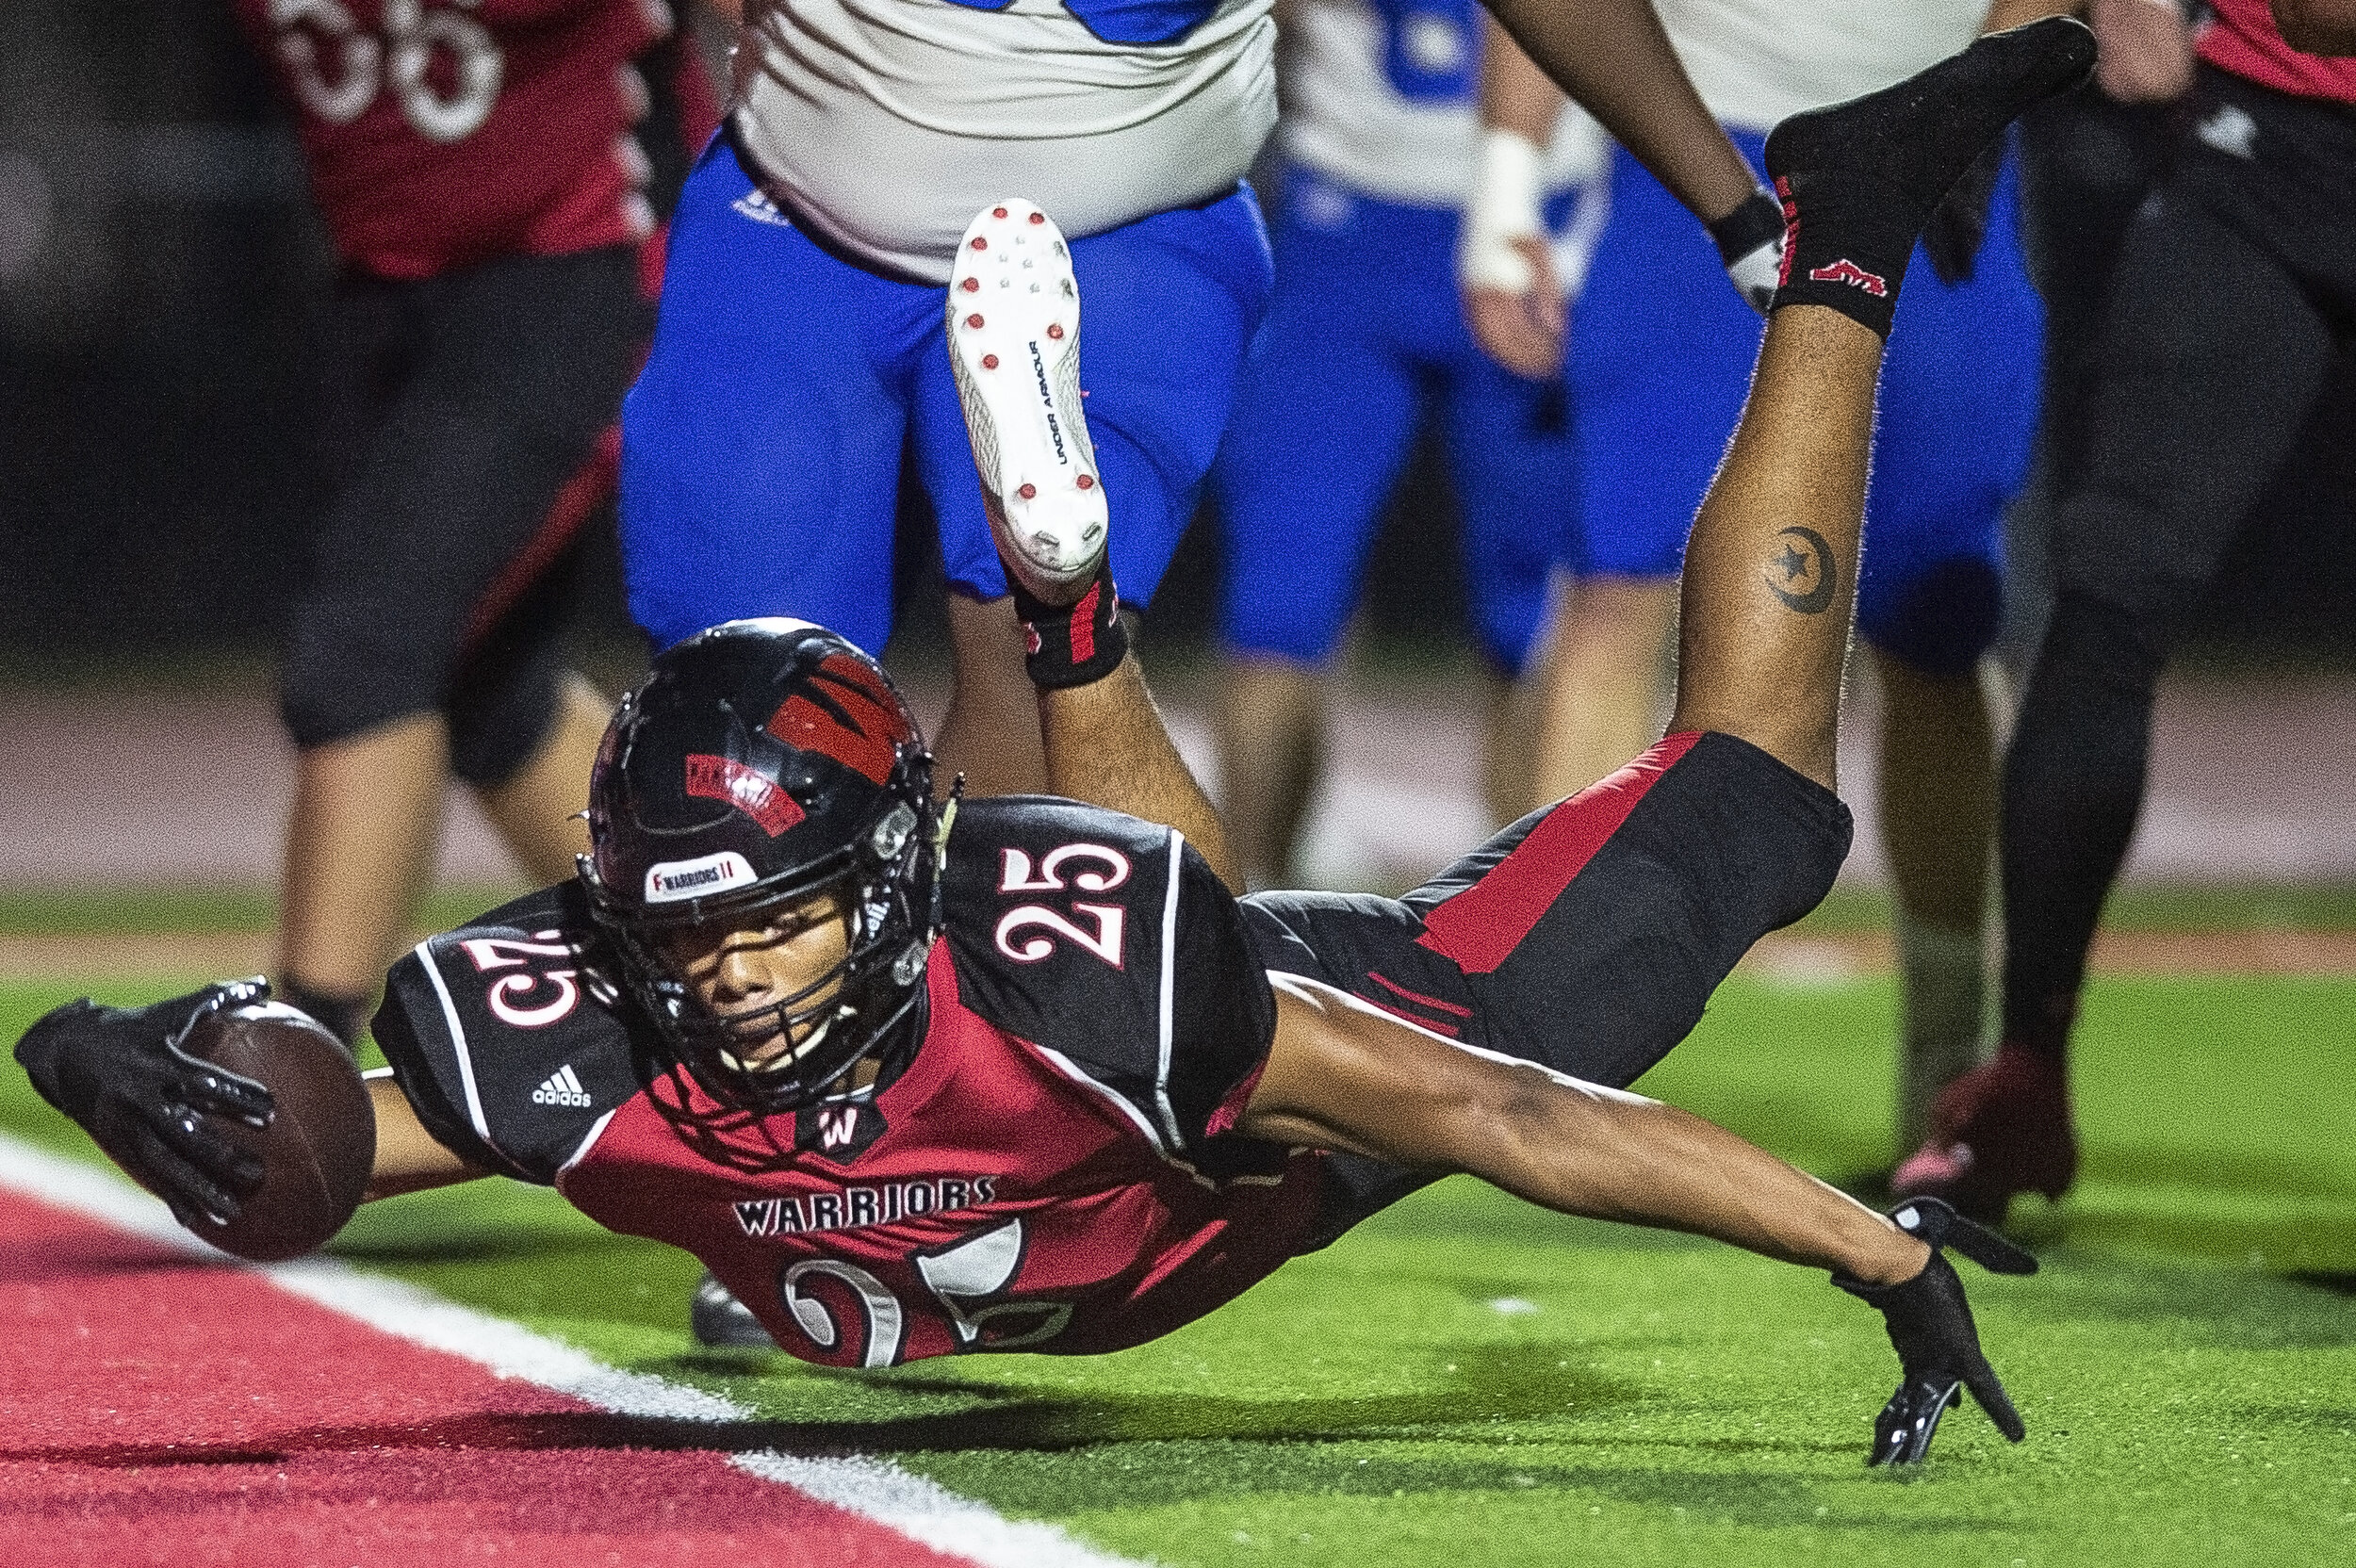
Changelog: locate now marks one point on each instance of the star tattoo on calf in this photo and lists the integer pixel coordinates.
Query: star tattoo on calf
(1807, 565)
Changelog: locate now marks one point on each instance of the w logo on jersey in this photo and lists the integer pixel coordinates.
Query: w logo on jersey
(841, 1133)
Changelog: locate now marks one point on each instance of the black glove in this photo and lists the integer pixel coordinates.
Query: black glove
(1959, 223)
(1930, 1324)
(121, 1074)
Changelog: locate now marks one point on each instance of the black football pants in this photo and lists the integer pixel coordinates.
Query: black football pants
(458, 408)
(2235, 287)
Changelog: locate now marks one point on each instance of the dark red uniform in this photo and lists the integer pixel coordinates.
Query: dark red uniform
(478, 169)
(1050, 1168)
(1043, 1172)
(444, 132)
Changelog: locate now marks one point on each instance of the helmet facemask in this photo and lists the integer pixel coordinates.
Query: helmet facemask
(853, 1011)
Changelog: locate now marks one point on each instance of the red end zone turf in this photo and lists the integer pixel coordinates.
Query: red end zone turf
(160, 1410)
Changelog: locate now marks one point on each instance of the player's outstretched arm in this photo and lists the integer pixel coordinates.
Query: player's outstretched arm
(408, 1157)
(121, 1075)
(1341, 1075)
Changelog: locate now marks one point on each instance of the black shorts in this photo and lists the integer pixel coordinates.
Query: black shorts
(466, 413)
(1587, 937)
(2233, 294)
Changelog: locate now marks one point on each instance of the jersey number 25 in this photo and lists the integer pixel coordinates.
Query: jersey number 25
(968, 1281)
(1098, 869)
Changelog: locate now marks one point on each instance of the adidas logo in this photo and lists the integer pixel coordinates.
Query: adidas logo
(757, 206)
(561, 1087)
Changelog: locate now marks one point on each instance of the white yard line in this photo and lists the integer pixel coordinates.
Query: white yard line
(873, 1488)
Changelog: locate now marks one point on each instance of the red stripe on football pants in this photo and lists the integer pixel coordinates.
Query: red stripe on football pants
(1478, 928)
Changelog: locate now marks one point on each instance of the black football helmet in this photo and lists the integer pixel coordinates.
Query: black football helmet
(759, 763)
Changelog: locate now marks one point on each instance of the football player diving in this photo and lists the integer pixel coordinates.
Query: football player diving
(915, 1081)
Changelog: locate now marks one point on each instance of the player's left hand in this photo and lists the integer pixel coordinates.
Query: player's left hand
(1515, 309)
(1959, 223)
(1513, 301)
(121, 1074)
(1930, 1326)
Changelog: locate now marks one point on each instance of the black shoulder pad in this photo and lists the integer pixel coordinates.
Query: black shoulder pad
(1109, 942)
(509, 1044)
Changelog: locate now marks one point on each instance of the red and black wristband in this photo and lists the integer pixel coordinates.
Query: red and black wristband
(1076, 644)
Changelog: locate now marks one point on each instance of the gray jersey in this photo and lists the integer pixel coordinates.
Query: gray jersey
(886, 124)
(1755, 61)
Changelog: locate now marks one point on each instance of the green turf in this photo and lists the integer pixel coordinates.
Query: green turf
(201, 910)
(123, 911)
(2187, 1362)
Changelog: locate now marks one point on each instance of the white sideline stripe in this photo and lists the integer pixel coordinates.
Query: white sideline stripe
(875, 1490)
(927, 1512)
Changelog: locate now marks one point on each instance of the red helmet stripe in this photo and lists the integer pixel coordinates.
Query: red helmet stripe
(849, 715)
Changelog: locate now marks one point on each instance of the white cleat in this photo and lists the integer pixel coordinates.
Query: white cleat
(1014, 345)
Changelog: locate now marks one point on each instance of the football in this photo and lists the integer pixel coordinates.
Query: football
(317, 1149)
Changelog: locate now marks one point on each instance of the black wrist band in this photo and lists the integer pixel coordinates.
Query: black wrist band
(1757, 222)
(1074, 645)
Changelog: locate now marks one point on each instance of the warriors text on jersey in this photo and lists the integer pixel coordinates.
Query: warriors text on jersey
(1049, 1170)
(444, 132)
(885, 124)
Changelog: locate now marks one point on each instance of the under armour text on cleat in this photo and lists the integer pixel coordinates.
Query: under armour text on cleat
(1014, 346)
(721, 1322)
(1859, 180)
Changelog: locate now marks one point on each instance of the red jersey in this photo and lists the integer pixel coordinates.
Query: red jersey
(1047, 1170)
(444, 132)
(2241, 37)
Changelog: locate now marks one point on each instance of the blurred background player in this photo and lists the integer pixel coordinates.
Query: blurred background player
(485, 188)
(1660, 355)
(1363, 340)
(799, 350)
(2234, 292)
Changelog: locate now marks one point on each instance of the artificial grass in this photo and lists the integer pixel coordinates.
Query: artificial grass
(198, 909)
(1469, 1380)
(177, 910)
